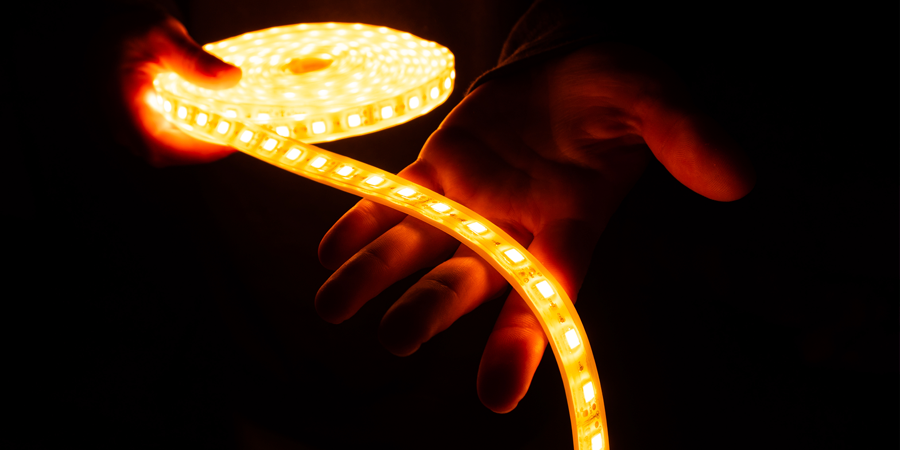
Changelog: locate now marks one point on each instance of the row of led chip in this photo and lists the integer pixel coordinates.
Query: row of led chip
(317, 127)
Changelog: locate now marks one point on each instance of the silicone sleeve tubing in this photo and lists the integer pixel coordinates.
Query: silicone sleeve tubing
(320, 82)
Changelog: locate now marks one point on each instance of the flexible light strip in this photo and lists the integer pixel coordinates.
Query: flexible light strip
(327, 81)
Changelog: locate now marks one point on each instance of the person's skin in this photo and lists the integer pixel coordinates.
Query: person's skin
(159, 43)
(547, 154)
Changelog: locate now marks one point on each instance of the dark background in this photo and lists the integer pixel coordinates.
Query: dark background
(173, 307)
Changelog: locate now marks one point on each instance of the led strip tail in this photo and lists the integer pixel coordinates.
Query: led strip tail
(272, 132)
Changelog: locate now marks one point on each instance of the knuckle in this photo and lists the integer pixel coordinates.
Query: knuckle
(441, 288)
(369, 257)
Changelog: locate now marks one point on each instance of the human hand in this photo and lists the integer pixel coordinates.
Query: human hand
(546, 154)
(156, 43)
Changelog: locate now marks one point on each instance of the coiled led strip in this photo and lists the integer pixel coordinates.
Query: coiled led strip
(320, 82)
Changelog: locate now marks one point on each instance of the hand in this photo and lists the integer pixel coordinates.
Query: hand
(547, 154)
(161, 44)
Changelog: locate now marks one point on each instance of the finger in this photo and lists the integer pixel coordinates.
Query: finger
(511, 356)
(359, 226)
(366, 221)
(697, 152)
(179, 53)
(402, 250)
(451, 290)
(517, 342)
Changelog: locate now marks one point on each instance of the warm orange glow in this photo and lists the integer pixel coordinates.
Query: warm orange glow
(320, 82)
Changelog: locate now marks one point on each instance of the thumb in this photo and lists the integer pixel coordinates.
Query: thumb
(697, 152)
(179, 53)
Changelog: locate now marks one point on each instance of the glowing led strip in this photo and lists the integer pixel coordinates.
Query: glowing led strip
(321, 82)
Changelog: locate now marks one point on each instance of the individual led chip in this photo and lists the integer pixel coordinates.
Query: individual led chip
(201, 119)
(318, 162)
(406, 192)
(545, 289)
(514, 255)
(318, 127)
(588, 389)
(293, 154)
(345, 171)
(572, 338)
(283, 131)
(353, 120)
(246, 135)
(182, 112)
(440, 207)
(270, 144)
(413, 102)
(597, 441)
(435, 92)
(387, 112)
(476, 227)
(374, 180)
(222, 127)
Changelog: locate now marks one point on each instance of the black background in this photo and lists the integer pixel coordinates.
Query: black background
(173, 307)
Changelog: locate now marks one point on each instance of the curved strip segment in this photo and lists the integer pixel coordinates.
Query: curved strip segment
(272, 131)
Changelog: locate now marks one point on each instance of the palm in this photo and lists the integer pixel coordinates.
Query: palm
(547, 155)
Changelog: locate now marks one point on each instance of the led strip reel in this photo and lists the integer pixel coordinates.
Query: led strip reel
(311, 83)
